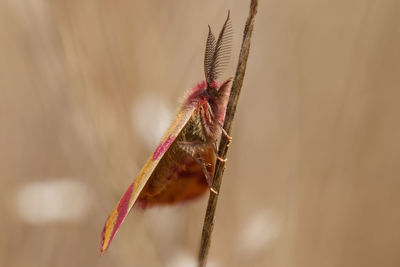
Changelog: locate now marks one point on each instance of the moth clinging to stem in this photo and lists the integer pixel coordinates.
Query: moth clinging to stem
(182, 166)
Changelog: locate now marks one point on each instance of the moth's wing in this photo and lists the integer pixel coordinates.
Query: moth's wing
(129, 198)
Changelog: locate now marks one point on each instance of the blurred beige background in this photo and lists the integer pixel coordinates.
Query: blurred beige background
(87, 87)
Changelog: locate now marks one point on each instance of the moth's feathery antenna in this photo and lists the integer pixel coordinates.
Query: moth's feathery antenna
(218, 52)
(209, 53)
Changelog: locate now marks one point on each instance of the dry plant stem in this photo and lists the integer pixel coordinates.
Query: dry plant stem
(223, 146)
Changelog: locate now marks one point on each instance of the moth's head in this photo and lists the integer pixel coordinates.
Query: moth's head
(212, 89)
(217, 90)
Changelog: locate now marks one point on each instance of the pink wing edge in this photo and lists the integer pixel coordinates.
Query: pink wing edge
(128, 199)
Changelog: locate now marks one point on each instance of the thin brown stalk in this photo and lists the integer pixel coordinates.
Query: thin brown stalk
(223, 146)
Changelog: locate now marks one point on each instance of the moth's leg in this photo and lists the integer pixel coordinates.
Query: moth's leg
(219, 124)
(216, 153)
(223, 131)
(206, 173)
(197, 158)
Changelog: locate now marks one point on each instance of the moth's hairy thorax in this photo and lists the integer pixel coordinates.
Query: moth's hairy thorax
(194, 130)
(203, 125)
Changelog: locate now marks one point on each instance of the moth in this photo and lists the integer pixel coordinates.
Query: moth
(183, 163)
